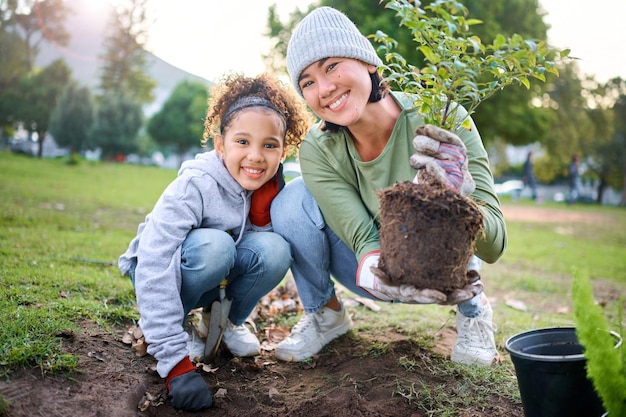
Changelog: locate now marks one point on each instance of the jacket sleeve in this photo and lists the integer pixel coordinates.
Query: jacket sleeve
(490, 245)
(157, 275)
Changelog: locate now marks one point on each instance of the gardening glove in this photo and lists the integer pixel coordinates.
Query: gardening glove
(441, 156)
(187, 389)
(262, 198)
(368, 277)
(466, 293)
(474, 286)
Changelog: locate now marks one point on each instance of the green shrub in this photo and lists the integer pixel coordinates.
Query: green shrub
(606, 362)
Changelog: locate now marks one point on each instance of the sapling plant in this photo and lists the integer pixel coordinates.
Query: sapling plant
(605, 353)
(459, 72)
(459, 68)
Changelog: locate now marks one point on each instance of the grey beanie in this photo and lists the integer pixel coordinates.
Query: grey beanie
(326, 33)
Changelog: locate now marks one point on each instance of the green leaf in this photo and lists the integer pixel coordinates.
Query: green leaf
(429, 54)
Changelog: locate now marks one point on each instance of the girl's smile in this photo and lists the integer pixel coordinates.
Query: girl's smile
(252, 146)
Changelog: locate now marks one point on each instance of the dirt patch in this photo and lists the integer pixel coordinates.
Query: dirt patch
(346, 379)
(547, 215)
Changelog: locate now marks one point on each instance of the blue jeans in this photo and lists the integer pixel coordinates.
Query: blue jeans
(319, 254)
(253, 268)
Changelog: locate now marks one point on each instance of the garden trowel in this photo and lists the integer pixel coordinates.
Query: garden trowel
(217, 323)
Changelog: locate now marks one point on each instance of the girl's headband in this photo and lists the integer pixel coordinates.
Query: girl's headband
(247, 102)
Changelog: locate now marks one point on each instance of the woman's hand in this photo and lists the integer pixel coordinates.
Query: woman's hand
(440, 156)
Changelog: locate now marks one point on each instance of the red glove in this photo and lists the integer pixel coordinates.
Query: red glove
(187, 389)
(263, 197)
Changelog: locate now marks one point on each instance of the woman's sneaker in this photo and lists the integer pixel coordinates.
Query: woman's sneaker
(475, 343)
(241, 341)
(312, 333)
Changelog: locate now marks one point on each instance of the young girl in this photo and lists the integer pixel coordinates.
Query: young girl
(363, 144)
(200, 231)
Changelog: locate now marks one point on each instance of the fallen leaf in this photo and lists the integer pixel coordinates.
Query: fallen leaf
(127, 338)
(562, 310)
(371, 304)
(273, 391)
(517, 305)
(137, 333)
(207, 368)
(96, 355)
(221, 393)
(276, 333)
(140, 348)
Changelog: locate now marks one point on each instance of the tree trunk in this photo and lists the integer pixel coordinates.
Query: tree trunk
(41, 137)
(601, 188)
(622, 202)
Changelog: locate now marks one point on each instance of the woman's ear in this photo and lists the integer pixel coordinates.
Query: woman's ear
(371, 68)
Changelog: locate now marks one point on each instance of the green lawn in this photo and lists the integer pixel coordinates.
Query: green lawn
(63, 226)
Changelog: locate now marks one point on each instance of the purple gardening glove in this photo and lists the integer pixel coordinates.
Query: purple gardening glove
(440, 156)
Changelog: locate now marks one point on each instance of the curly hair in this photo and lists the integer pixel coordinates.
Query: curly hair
(235, 86)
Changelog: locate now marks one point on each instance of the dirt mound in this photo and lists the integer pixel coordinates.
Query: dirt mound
(427, 236)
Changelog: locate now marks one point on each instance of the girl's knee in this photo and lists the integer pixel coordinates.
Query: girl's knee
(208, 245)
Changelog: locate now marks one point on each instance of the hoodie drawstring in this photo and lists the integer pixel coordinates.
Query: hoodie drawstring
(245, 218)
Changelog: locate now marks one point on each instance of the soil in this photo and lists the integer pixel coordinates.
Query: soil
(345, 379)
(427, 234)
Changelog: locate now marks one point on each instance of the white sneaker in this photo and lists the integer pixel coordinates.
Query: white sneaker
(195, 344)
(312, 333)
(475, 343)
(240, 341)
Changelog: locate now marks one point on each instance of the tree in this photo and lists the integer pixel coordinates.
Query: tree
(43, 20)
(619, 109)
(606, 152)
(512, 115)
(124, 81)
(279, 33)
(72, 119)
(39, 92)
(24, 25)
(118, 119)
(12, 69)
(124, 59)
(571, 125)
(180, 120)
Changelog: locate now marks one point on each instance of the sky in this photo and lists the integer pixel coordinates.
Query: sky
(209, 38)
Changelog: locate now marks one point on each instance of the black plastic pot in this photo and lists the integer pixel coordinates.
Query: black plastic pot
(550, 368)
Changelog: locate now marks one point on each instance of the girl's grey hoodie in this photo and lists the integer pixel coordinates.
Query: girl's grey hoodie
(204, 195)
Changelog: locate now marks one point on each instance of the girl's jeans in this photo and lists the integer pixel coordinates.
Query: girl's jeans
(319, 254)
(256, 265)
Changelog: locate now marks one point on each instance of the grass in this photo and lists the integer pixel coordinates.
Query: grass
(62, 228)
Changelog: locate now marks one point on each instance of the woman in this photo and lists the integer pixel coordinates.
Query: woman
(361, 145)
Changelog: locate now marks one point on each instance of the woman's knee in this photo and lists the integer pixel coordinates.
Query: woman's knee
(277, 254)
(293, 206)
